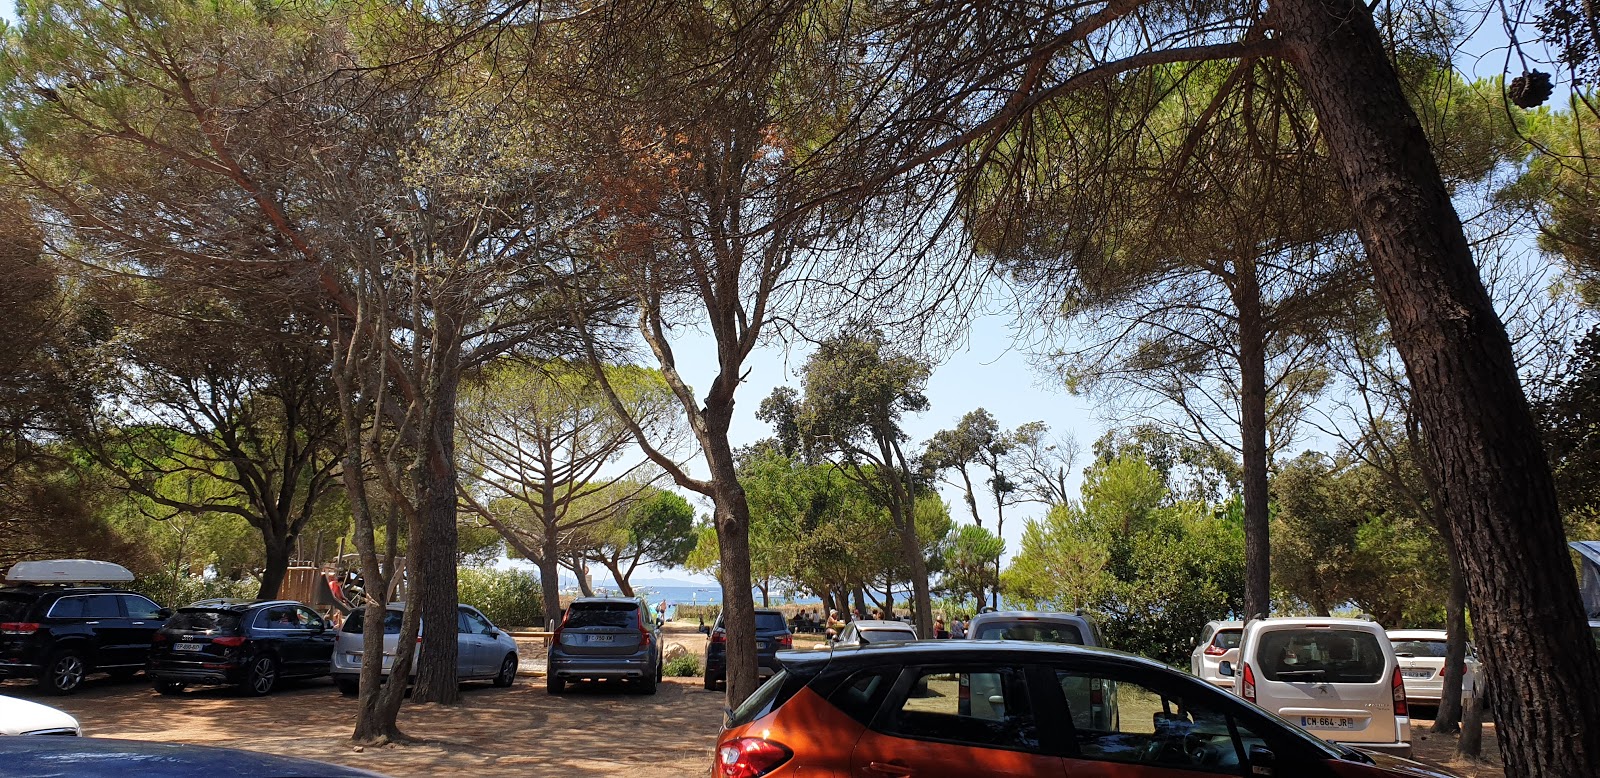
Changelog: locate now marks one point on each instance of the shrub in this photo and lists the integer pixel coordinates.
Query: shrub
(176, 591)
(682, 666)
(510, 598)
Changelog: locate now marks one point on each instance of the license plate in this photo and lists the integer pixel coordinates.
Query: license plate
(1421, 674)
(186, 647)
(761, 645)
(1328, 722)
(601, 638)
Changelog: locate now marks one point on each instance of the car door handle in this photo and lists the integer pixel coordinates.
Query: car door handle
(889, 768)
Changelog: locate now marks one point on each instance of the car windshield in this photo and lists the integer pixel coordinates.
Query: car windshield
(196, 620)
(358, 618)
(623, 615)
(1227, 638)
(769, 622)
(1433, 649)
(1033, 631)
(886, 635)
(1321, 656)
(14, 606)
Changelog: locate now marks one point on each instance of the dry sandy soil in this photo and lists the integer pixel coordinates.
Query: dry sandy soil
(593, 730)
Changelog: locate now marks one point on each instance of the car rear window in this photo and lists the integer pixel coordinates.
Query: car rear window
(1321, 656)
(204, 621)
(603, 614)
(14, 607)
(768, 698)
(1227, 638)
(1034, 631)
(1432, 649)
(769, 622)
(358, 618)
(886, 635)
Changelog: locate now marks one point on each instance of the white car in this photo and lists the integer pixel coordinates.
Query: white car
(1421, 656)
(1218, 643)
(1336, 678)
(22, 717)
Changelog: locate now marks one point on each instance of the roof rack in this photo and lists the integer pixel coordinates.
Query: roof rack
(67, 572)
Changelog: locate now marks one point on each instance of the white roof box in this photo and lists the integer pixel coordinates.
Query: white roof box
(68, 571)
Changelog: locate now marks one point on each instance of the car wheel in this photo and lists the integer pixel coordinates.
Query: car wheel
(554, 685)
(661, 671)
(260, 676)
(646, 685)
(348, 688)
(169, 688)
(508, 672)
(711, 683)
(64, 672)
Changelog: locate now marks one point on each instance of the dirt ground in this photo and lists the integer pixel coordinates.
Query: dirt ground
(593, 730)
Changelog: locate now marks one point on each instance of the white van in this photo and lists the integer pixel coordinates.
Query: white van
(1218, 643)
(1336, 678)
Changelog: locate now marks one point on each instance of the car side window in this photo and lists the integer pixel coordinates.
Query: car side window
(462, 625)
(1146, 721)
(72, 608)
(139, 607)
(861, 696)
(101, 606)
(307, 618)
(980, 706)
(278, 617)
(476, 624)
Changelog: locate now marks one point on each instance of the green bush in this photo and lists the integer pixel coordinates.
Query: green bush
(176, 591)
(696, 612)
(510, 598)
(683, 666)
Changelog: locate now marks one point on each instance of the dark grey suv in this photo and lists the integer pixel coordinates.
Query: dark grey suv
(606, 638)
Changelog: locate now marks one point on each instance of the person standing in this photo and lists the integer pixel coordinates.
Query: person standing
(939, 632)
(958, 630)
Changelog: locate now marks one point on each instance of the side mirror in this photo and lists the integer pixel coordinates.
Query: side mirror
(164, 613)
(1262, 760)
(1225, 669)
(494, 633)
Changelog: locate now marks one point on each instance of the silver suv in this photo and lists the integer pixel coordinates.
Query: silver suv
(606, 638)
(483, 651)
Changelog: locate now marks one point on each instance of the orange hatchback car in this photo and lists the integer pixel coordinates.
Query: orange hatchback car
(966, 708)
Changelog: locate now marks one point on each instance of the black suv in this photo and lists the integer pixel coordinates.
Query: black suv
(772, 636)
(242, 643)
(60, 634)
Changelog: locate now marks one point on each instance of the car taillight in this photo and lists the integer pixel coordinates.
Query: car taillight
(1248, 684)
(19, 628)
(644, 634)
(159, 637)
(748, 757)
(1399, 687)
(1097, 694)
(230, 642)
(1212, 649)
(719, 637)
(786, 641)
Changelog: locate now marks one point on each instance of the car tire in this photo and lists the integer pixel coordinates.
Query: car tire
(661, 671)
(554, 685)
(508, 672)
(260, 676)
(645, 685)
(169, 688)
(64, 672)
(348, 688)
(711, 683)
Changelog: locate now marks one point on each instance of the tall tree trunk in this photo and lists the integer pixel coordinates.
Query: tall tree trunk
(432, 556)
(911, 549)
(1495, 491)
(1445, 720)
(860, 595)
(1470, 745)
(580, 569)
(732, 520)
(549, 563)
(888, 599)
(1253, 440)
(277, 564)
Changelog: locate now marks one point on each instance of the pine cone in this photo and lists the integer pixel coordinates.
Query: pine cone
(1530, 90)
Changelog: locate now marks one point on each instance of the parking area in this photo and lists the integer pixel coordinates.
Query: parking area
(593, 730)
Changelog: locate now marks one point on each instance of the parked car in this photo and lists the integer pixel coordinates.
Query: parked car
(865, 631)
(1338, 678)
(1218, 643)
(251, 645)
(484, 652)
(87, 757)
(606, 638)
(858, 711)
(1420, 653)
(58, 628)
(772, 635)
(1039, 626)
(25, 717)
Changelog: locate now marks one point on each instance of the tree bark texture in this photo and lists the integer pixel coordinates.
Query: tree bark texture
(550, 578)
(1447, 719)
(732, 520)
(432, 555)
(277, 564)
(1246, 293)
(1495, 492)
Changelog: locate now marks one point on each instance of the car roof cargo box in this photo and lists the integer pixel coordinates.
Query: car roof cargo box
(1589, 551)
(65, 571)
